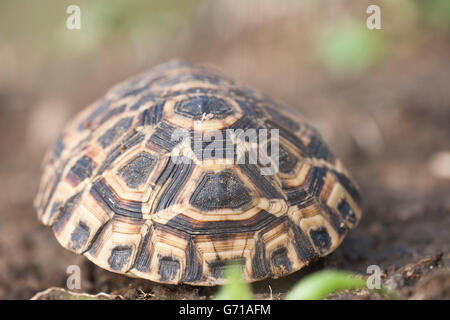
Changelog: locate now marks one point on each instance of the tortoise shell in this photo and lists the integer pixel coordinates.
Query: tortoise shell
(112, 190)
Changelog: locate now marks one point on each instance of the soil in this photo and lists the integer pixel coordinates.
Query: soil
(387, 124)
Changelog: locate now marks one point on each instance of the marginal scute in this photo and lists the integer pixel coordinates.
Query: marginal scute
(123, 188)
(169, 268)
(219, 268)
(59, 146)
(79, 236)
(66, 211)
(113, 112)
(321, 239)
(119, 257)
(97, 110)
(280, 260)
(56, 207)
(346, 211)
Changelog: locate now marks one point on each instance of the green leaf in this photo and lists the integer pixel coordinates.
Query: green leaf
(321, 284)
(436, 13)
(349, 47)
(236, 288)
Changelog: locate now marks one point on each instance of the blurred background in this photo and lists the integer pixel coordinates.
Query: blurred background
(381, 98)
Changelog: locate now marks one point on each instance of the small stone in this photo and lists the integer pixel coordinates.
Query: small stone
(395, 282)
(439, 165)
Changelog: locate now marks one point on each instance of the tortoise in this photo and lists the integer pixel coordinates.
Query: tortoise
(112, 190)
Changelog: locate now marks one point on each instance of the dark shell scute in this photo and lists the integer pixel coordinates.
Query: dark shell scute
(321, 239)
(196, 107)
(80, 235)
(137, 170)
(115, 132)
(119, 257)
(281, 260)
(220, 190)
(168, 268)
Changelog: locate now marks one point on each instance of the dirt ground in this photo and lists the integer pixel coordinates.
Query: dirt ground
(390, 125)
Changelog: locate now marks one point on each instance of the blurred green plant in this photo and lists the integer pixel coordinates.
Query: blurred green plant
(323, 283)
(349, 47)
(436, 13)
(236, 288)
(141, 23)
(316, 286)
(127, 23)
